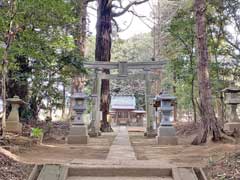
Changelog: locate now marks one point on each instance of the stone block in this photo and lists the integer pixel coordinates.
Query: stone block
(167, 140)
(166, 131)
(74, 139)
(14, 126)
(230, 126)
(78, 130)
(166, 136)
(78, 135)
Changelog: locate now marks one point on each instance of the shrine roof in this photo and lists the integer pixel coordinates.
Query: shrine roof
(123, 102)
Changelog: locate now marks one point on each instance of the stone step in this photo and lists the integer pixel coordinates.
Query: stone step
(118, 178)
(60, 172)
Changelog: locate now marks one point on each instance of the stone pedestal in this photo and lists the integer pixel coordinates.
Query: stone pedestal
(78, 135)
(231, 126)
(14, 126)
(166, 136)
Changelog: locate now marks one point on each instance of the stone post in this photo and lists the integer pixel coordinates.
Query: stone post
(149, 131)
(95, 129)
(13, 124)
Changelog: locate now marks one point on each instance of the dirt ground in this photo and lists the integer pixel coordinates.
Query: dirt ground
(59, 152)
(183, 154)
(11, 169)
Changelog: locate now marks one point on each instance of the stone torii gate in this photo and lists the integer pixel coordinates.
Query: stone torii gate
(123, 68)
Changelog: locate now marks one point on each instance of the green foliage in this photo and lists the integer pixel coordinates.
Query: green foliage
(37, 132)
(223, 45)
(43, 36)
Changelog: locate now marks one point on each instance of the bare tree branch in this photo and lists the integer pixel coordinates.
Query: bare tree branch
(116, 24)
(125, 9)
(88, 1)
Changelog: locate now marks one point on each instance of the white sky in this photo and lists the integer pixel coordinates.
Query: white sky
(137, 26)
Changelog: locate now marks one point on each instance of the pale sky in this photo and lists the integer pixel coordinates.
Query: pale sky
(134, 24)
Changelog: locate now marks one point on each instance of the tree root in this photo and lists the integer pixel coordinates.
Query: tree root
(225, 136)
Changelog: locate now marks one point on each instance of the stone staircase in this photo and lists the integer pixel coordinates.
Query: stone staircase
(121, 164)
(73, 172)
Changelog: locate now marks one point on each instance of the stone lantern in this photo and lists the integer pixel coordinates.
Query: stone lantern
(13, 124)
(232, 98)
(78, 133)
(166, 132)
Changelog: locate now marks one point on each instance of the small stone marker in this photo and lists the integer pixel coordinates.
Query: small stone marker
(12, 123)
(166, 132)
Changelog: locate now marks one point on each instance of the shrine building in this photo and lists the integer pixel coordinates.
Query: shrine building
(123, 111)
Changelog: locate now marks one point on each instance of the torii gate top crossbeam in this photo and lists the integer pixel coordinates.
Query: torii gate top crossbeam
(131, 65)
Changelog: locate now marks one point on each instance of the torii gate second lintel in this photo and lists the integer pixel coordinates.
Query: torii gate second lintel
(123, 66)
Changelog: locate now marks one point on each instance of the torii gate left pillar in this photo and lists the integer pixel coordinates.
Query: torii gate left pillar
(95, 129)
(149, 131)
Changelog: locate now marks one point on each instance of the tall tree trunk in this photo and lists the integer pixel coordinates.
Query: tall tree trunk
(209, 120)
(103, 53)
(63, 101)
(174, 91)
(81, 30)
(80, 41)
(192, 87)
(9, 39)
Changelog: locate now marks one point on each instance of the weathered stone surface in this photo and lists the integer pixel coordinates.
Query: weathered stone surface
(121, 147)
(78, 130)
(78, 135)
(167, 140)
(14, 126)
(53, 172)
(231, 126)
(166, 136)
(75, 139)
(166, 131)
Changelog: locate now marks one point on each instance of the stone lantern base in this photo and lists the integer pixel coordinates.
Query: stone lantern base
(230, 126)
(14, 126)
(78, 134)
(166, 136)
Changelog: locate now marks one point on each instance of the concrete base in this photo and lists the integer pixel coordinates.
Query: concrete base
(166, 136)
(14, 126)
(71, 139)
(230, 126)
(78, 135)
(167, 140)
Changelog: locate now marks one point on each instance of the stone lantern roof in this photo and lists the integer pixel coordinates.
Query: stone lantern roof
(15, 100)
(79, 95)
(231, 89)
